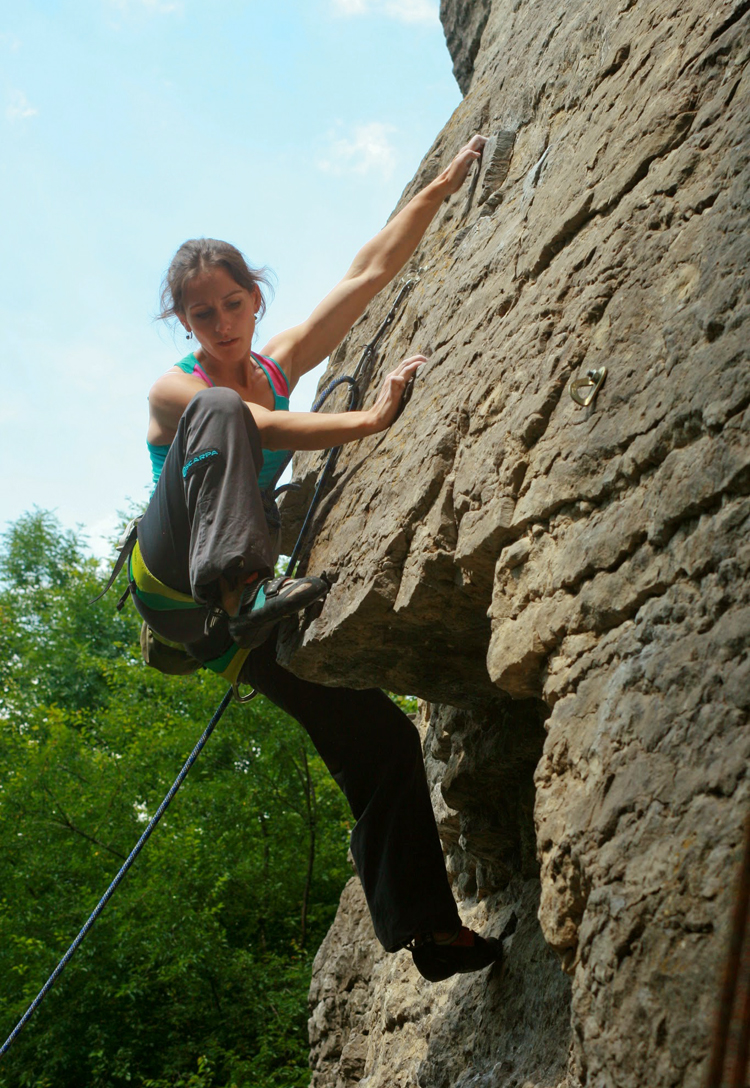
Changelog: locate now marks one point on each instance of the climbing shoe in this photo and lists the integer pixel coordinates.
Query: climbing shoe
(467, 951)
(266, 601)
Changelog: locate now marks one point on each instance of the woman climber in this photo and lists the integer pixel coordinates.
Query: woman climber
(202, 570)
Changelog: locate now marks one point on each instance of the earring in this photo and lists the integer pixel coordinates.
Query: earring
(189, 335)
(255, 315)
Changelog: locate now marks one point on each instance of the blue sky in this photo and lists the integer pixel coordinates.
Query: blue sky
(287, 127)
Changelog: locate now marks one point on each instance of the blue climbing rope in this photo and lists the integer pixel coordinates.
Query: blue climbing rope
(327, 468)
(126, 865)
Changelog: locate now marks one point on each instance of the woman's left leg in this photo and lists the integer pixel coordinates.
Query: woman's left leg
(374, 753)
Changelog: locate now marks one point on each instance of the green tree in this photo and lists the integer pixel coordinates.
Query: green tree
(197, 972)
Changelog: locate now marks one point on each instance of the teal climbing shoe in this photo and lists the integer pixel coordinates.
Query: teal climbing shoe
(267, 601)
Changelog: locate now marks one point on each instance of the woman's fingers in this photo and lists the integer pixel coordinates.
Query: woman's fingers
(412, 363)
(406, 370)
(388, 402)
(476, 143)
(458, 170)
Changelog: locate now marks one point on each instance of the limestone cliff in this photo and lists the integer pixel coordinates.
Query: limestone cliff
(566, 586)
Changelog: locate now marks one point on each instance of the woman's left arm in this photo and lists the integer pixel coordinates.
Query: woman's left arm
(301, 348)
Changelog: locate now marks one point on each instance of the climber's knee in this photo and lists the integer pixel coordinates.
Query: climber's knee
(217, 401)
(213, 415)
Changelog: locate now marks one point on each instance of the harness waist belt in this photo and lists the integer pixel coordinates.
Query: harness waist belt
(162, 598)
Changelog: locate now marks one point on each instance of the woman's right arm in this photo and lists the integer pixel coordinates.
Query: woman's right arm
(301, 348)
(171, 394)
(168, 398)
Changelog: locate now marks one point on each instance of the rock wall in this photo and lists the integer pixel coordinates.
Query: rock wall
(566, 586)
(464, 25)
(375, 1021)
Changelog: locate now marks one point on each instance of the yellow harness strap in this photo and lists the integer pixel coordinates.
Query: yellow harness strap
(162, 598)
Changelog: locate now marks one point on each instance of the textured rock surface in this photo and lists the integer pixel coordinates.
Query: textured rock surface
(375, 1020)
(463, 25)
(508, 554)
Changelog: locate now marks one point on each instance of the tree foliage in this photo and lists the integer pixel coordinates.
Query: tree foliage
(197, 972)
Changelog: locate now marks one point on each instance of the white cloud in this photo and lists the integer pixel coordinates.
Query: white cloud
(406, 11)
(152, 7)
(19, 107)
(414, 11)
(368, 151)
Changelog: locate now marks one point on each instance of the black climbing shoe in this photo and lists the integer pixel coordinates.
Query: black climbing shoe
(466, 952)
(267, 601)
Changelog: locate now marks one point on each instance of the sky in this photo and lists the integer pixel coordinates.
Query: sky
(288, 127)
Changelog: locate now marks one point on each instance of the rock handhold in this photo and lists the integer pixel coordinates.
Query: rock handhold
(493, 169)
(496, 165)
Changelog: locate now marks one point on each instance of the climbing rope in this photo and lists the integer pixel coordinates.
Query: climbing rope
(126, 865)
(361, 377)
(328, 467)
(354, 397)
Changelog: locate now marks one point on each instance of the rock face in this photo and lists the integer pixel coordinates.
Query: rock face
(566, 586)
(463, 25)
(375, 1020)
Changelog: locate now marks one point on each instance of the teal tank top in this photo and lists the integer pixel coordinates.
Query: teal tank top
(277, 379)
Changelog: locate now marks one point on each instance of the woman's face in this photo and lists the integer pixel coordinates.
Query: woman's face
(220, 313)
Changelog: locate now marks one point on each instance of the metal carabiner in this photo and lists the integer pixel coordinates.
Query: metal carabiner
(242, 698)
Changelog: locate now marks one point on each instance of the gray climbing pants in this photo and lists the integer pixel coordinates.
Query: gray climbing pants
(206, 518)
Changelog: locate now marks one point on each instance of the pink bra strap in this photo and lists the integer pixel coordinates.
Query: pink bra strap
(277, 374)
(198, 369)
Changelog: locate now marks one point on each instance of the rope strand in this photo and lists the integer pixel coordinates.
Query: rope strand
(121, 874)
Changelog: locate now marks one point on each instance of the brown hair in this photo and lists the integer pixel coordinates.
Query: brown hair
(199, 254)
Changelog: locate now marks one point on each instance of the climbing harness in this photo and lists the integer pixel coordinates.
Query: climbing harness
(128, 545)
(159, 597)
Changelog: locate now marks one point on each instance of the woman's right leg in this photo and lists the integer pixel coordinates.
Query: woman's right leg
(206, 520)
(206, 516)
(374, 753)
